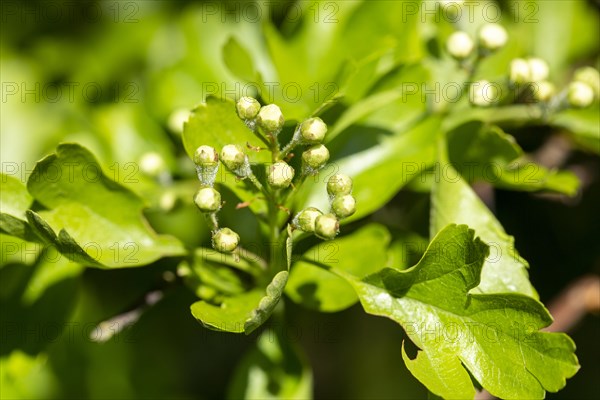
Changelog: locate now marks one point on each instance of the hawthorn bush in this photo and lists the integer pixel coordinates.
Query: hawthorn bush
(207, 199)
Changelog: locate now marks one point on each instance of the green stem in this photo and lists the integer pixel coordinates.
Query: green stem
(211, 218)
(257, 184)
(274, 245)
(274, 147)
(293, 143)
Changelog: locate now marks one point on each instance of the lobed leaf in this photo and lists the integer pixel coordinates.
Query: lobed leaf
(494, 337)
(14, 202)
(99, 222)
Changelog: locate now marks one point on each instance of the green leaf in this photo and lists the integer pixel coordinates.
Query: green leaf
(14, 203)
(360, 253)
(244, 312)
(99, 222)
(275, 369)
(480, 152)
(51, 268)
(239, 61)
(494, 337)
(215, 123)
(267, 304)
(453, 201)
(584, 125)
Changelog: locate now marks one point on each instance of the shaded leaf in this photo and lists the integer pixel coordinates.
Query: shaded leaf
(486, 153)
(360, 253)
(239, 61)
(244, 312)
(15, 200)
(584, 125)
(275, 369)
(99, 222)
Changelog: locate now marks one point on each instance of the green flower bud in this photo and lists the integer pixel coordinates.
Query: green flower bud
(206, 159)
(206, 156)
(519, 71)
(313, 130)
(483, 93)
(225, 240)
(316, 156)
(460, 45)
(339, 184)
(270, 119)
(167, 200)
(492, 36)
(580, 95)
(305, 220)
(343, 206)
(233, 156)
(589, 76)
(208, 199)
(543, 91)
(280, 175)
(326, 226)
(247, 107)
(177, 119)
(152, 163)
(538, 69)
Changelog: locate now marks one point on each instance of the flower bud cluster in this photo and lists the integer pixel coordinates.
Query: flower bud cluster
(585, 87)
(343, 205)
(527, 77)
(280, 175)
(207, 198)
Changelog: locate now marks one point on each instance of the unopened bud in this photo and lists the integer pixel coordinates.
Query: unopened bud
(460, 45)
(519, 71)
(316, 156)
(306, 219)
(313, 130)
(327, 226)
(206, 156)
(152, 163)
(343, 206)
(225, 240)
(538, 69)
(543, 91)
(208, 199)
(492, 36)
(483, 93)
(339, 184)
(280, 175)
(247, 107)
(580, 95)
(590, 77)
(270, 119)
(233, 156)
(177, 119)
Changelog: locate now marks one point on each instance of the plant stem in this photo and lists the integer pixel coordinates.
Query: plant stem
(257, 184)
(211, 218)
(293, 143)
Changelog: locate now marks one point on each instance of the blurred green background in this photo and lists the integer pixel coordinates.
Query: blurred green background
(117, 75)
